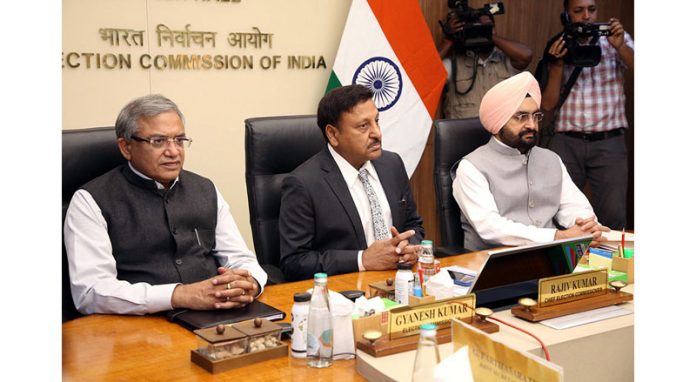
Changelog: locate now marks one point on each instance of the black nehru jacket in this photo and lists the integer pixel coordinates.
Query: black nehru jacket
(153, 232)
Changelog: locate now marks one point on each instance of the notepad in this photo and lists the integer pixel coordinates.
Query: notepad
(613, 275)
(597, 261)
(583, 318)
(197, 319)
(601, 252)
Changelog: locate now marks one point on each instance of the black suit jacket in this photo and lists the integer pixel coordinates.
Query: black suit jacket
(320, 229)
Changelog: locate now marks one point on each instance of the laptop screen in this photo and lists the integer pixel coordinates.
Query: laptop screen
(512, 273)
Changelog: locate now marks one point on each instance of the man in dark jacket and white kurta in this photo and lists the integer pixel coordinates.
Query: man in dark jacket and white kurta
(150, 236)
(510, 191)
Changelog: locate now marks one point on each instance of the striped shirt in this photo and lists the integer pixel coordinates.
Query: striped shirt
(597, 101)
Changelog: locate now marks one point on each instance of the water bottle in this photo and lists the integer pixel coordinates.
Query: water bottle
(426, 260)
(404, 283)
(300, 313)
(427, 354)
(319, 329)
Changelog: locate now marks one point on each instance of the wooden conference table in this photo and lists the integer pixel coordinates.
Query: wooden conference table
(125, 348)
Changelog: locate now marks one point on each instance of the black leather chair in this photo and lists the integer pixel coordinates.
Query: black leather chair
(454, 138)
(274, 147)
(87, 153)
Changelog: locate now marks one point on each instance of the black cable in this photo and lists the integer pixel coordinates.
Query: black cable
(454, 72)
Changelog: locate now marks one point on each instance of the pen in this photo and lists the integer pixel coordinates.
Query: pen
(198, 238)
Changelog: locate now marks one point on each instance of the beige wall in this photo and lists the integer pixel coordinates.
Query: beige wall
(215, 102)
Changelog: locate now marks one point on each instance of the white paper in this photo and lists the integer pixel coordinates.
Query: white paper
(583, 318)
(440, 285)
(363, 306)
(341, 310)
(614, 235)
(459, 290)
(456, 367)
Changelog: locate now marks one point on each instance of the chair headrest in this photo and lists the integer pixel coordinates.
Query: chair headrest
(88, 153)
(277, 145)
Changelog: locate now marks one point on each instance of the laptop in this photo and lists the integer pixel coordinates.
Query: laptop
(512, 273)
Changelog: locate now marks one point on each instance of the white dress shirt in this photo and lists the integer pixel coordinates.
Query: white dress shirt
(472, 193)
(362, 203)
(93, 275)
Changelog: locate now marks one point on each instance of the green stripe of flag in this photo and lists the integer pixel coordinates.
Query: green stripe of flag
(333, 82)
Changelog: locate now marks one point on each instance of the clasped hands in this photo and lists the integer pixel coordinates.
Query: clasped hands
(583, 227)
(386, 253)
(231, 288)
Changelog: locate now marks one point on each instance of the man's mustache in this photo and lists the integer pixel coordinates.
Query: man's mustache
(528, 131)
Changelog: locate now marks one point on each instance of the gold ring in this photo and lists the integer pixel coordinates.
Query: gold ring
(229, 285)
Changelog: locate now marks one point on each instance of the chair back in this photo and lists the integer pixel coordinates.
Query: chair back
(274, 146)
(87, 153)
(454, 138)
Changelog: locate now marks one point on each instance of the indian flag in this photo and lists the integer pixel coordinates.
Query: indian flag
(387, 46)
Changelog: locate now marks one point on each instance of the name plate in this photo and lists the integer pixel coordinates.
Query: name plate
(406, 320)
(561, 289)
(492, 360)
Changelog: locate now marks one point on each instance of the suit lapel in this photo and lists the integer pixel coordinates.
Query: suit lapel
(335, 180)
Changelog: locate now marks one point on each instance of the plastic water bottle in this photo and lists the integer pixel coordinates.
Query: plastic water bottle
(319, 329)
(426, 259)
(300, 313)
(427, 354)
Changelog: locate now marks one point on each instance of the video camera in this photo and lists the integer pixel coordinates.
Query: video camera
(474, 35)
(582, 55)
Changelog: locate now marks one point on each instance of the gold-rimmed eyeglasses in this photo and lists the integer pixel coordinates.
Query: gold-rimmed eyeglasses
(524, 117)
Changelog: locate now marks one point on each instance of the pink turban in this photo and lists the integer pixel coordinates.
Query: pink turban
(501, 102)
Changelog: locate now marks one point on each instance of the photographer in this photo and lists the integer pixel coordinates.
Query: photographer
(590, 121)
(473, 71)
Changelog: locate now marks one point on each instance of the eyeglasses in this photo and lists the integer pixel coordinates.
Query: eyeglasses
(160, 142)
(524, 117)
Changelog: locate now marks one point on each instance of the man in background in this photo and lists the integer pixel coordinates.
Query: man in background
(472, 72)
(590, 123)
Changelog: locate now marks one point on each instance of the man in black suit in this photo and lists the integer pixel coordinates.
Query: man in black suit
(348, 208)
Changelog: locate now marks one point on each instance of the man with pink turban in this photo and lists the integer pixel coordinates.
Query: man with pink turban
(510, 191)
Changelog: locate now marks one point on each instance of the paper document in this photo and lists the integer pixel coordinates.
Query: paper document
(460, 290)
(583, 318)
(614, 235)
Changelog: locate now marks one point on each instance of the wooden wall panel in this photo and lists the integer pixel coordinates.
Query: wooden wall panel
(532, 22)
